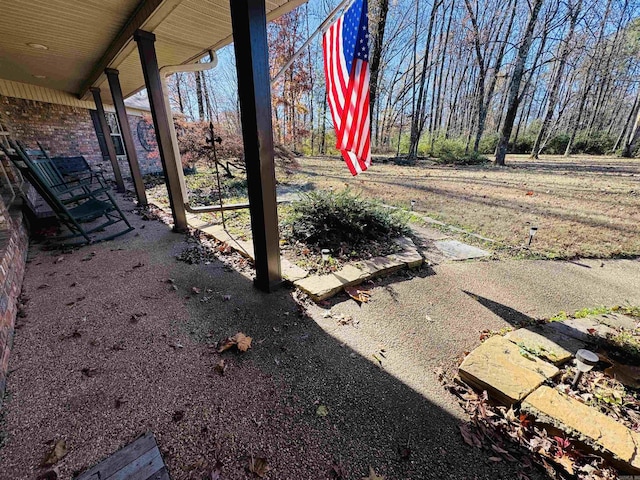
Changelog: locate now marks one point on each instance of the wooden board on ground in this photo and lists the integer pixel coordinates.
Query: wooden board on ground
(140, 460)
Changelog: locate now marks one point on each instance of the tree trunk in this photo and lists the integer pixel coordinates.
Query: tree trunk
(514, 87)
(376, 55)
(555, 87)
(199, 95)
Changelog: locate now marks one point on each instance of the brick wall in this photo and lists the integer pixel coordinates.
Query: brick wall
(13, 253)
(66, 131)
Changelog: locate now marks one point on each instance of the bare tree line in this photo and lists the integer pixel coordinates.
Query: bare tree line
(472, 76)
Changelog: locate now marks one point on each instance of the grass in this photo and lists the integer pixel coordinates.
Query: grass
(583, 207)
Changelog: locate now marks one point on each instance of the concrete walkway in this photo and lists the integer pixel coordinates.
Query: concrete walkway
(430, 320)
(123, 335)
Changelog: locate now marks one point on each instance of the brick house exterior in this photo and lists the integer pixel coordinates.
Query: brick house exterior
(66, 130)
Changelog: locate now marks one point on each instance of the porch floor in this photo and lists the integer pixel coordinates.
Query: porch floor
(118, 339)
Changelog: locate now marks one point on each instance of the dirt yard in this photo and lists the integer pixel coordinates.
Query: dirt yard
(583, 206)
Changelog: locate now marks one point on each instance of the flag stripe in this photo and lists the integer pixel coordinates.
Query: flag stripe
(346, 54)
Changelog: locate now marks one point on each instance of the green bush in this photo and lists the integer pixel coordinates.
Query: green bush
(488, 143)
(557, 144)
(594, 143)
(327, 219)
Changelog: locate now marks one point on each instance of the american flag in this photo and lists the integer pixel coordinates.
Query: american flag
(346, 68)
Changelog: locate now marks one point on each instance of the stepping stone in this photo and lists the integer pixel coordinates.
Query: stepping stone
(583, 329)
(617, 321)
(427, 234)
(556, 411)
(498, 367)
(554, 346)
(411, 258)
(319, 287)
(291, 271)
(140, 459)
(455, 250)
(378, 266)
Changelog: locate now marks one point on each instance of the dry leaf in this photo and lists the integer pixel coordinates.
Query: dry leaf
(322, 411)
(59, 259)
(216, 473)
(359, 295)
(58, 452)
(243, 342)
(373, 475)
(225, 344)
(195, 290)
(220, 367)
(259, 466)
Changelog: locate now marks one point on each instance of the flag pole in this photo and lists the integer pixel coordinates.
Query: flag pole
(321, 29)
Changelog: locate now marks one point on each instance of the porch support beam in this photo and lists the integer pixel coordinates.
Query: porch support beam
(170, 164)
(111, 150)
(249, 21)
(127, 138)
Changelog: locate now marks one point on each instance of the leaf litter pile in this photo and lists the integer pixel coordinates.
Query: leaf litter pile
(612, 387)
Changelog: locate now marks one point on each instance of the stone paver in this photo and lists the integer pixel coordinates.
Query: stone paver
(559, 412)
(455, 250)
(411, 258)
(291, 271)
(583, 329)
(554, 346)
(380, 266)
(319, 287)
(617, 320)
(498, 367)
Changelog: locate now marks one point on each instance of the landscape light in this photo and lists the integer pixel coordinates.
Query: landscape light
(326, 254)
(532, 233)
(585, 360)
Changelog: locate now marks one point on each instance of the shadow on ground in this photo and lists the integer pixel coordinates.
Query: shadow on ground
(116, 342)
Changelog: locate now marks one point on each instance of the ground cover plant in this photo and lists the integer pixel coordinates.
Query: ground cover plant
(350, 226)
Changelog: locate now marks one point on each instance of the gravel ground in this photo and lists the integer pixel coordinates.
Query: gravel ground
(109, 349)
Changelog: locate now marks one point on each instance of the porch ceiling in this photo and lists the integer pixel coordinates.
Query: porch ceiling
(83, 38)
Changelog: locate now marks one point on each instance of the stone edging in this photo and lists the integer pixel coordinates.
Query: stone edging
(502, 367)
(318, 287)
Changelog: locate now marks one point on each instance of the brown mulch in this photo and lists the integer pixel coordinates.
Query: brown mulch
(99, 359)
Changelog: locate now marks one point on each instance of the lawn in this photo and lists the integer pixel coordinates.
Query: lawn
(583, 206)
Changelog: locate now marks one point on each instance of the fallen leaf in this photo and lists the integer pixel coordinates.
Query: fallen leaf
(220, 367)
(495, 459)
(404, 452)
(322, 411)
(88, 257)
(373, 475)
(195, 290)
(226, 298)
(258, 466)
(43, 286)
(243, 342)
(58, 260)
(58, 452)
(359, 295)
(138, 265)
(177, 415)
(225, 344)
(216, 473)
(529, 193)
(49, 475)
(469, 437)
(337, 471)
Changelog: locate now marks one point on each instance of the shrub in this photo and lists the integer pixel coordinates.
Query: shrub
(488, 143)
(594, 143)
(327, 219)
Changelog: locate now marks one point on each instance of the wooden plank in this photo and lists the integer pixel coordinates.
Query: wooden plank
(122, 457)
(162, 474)
(141, 468)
